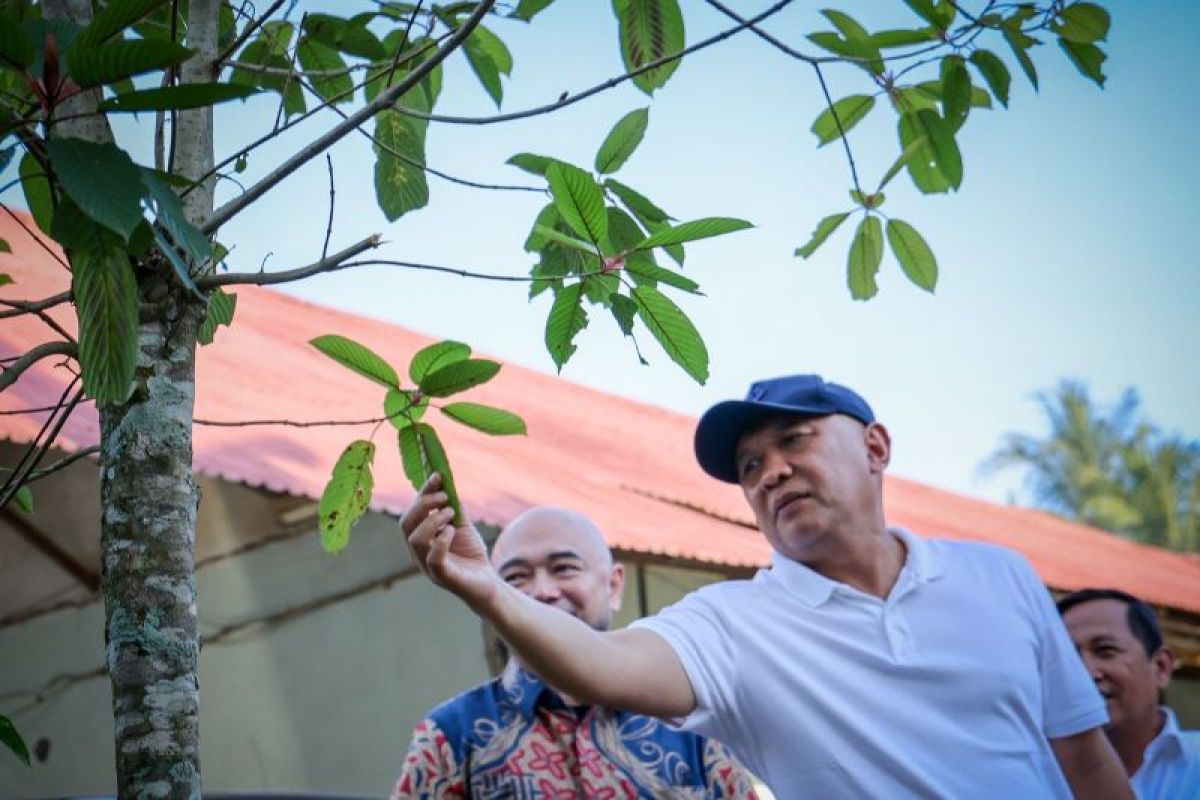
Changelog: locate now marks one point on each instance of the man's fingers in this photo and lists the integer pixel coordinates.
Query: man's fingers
(440, 548)
(426, 501)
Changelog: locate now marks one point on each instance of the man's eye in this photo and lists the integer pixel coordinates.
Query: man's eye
(514, 579)
(566, 569)
(748, 466)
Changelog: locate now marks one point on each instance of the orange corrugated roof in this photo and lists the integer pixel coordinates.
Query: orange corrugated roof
(626, 464)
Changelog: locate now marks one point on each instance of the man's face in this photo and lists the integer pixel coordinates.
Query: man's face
(1129, 679)
(560, 559)
(808, 480)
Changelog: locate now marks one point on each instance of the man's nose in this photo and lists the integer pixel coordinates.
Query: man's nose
(544, 587)
(775, 468)
(1092, 665)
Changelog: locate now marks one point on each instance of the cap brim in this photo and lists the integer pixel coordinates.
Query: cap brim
(719, 429)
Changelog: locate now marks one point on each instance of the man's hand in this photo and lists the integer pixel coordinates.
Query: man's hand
(454, 558)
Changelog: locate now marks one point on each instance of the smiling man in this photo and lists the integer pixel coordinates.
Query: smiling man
(867, 662)
(1122, 646)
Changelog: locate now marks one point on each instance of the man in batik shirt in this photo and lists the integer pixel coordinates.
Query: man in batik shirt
(515, 737)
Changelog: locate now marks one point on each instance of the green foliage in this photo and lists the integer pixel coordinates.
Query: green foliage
(432, 358)
(531, 163)
(422, 453)
(221, 306)
(848, 111)
(317, 58)
(527, 9)
(489, 59)
(1083, 23)
(691, 231)
(579, 201)
(106, 300)
(914, 255)
(94, 66)
(24, 499)
(994, 73)
(567, 318)
(1087, 58)
(191, 95)
(823, 231)
(493, 421)
(673, 330)
(12, 740)
(400, 183)
(347, 495)
(458, 377)
(101, 179)
(357, 357)
(956, 91)
(649, 30)
(38, 196)
(114, 17)
(866, 252)
(622, 140)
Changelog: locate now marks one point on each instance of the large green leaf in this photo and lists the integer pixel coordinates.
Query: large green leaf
(567, 318)
(36, 187)
(94, 66)
(866, 252)
(848, 111)
(101, 179)
(937, 164)
(579, 200)
(824, 229)
(458, 376)
(106, 300)
(994, 72)
(649, 30)
(1083, 23)
(489, 59)
(357, 357)
(1020, 42)
(1087, 58)
(400, 183)
(691, 231)
(913, 253)
(646, 271)
(622, 140)
(412, 456)
(494, 421)
(422, 454)
(188, 95)
(956, 91)
(114, 17)
(531, 162)
(347, 495)
(435, 356)
(317, 58)
(12, 740)
(673, 330)
(170, 215)
(551, 235)
(221, 306)
(636, 202)
(527, 9)
(15, 48)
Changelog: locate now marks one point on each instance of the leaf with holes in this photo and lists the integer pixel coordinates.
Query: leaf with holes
(914, 255)
(347, 495)
(221, 306)
(458, 377)
(102, 180)
(106, 300)
(866, 252)
(823, 231)
(849, 111)
(356, 357)
(673, 330)
(567, 318)
(622, 140)
(691, 231)
(95, 66)
(649, 30)
(435, 356)
(579, 200)
(493, 421)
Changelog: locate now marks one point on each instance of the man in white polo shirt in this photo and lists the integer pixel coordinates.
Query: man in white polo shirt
(867, 662)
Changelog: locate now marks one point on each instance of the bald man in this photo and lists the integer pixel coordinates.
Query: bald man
(516, 737)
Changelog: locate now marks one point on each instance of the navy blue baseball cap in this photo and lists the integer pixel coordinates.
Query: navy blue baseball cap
(722, 425)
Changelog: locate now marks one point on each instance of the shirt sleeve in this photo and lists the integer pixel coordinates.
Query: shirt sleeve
(724, 776)
(429, 770)
(700, 635)
(1071, 703)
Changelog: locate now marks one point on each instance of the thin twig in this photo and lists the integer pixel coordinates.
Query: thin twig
(247, 32)
(841, 130)
(44, 350)
(329, 227)
(33, 306)
(327, 264)
(385, 99)
(35, 237)
(287, 423)
(18, 478)
(36, 410)
(62, 463)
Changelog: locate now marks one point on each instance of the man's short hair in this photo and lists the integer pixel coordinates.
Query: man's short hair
(1143, 622)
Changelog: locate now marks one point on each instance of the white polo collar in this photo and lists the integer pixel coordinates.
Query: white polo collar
(921, 564)
(1169, 741)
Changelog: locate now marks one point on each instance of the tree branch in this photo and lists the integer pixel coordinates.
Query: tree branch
(385, 99)
(20, 307)
(44, 350)
(330, 264)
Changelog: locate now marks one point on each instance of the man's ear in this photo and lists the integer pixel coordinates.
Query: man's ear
(879, 446)
(616, 586)
(1163, 664)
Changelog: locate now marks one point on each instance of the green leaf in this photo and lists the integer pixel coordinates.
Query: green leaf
(913, 253)
(624, 310)
(848, 111)
(347, 495)
(904, 38)
(867, 200)
(24, 499)
(221, 306)
(567, 318)
(1020, 42)
(912, 148)
(866, 252)
(412, 456)
(579, 200)
(15, 49)
(956, 91)
(489, 59)
(1087, 58)
(624, 233)
(356, 357)
(649, 271)
(169, 214)
(182, 269)
(94, 66)
(823, 231)
(551, 235)
(1083, 23)
(691, 231)
(101, 179)
(400, 183)
(846, 25)
(5, 248)
(649, 30)
(316, 57)
(942, 146)
(862, 52)
(106, 300)
(527, 9)
(458, 376)
(37, 192)
(531, 162)
(674, 331)
(356, 40)
(622, 140)
(599, 288)
(994, 72)
(188, 95)
(114, 17)
(494, 421)
(400, 410)
(638, 204)
(435, 457)
(12, 740)
(435, 356)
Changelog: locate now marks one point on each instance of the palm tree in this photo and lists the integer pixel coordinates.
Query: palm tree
(1109, 469)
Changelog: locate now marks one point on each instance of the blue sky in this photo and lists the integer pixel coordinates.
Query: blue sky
(1069, 251)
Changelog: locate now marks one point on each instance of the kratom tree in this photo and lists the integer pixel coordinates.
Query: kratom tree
(152, 279)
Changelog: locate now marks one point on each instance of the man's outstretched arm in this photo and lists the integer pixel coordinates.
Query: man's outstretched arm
(1091, 766)
(634, 670)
